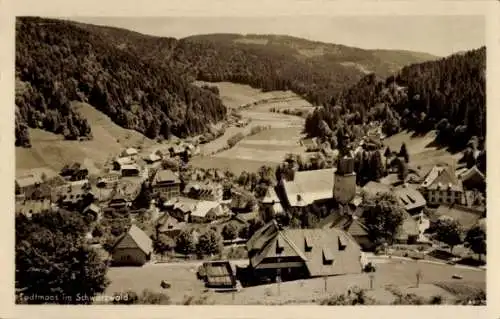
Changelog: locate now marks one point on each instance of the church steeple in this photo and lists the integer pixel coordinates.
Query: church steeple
(344, 187)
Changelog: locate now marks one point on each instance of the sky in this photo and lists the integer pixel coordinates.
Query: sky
(438, 35)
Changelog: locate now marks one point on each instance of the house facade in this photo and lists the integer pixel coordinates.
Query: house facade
(204, 191)
(135, 248)
(27, 184)
(301, 253)
(441, 186)
(353, 225)
(166, 184)
(205, 212)
(271, 205)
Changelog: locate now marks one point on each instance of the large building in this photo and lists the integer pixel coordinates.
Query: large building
(320, 186)
(308, 187)
(301, 253)
(166, 184)
(441, 186)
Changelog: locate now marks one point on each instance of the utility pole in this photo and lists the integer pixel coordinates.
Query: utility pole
(326, 283)
(371, 276)
(419, 276)
(278, 276)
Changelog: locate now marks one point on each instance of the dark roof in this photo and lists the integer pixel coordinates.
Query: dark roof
(322, 243)
(352, 225)
(219, 274)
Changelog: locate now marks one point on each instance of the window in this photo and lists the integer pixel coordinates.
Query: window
(342, 243)
(308, 244)
(279, 245)
(327, 257)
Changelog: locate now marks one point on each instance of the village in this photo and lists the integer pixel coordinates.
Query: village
(157, 216)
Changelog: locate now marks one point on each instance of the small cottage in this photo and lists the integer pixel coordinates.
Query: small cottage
(205, 211)
(271, 205)
(134, 248)
(120, 162)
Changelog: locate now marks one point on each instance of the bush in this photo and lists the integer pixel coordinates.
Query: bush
(209, 243)
(191, 300)
(229, 232)
(233, 140)
(436, 300)
(369, 268)
(354, 296)
(184, 243)
(163, 244)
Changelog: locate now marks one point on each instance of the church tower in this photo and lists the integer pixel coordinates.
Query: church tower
(344, 186)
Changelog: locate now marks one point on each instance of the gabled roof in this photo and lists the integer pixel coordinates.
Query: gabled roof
(322, 243)
(351, 224)
(262, 236)
(409, 197)
(325, 245)
(92, 207)
(183, 204)
(166, 175)
(310, 186)
(201, 208)
(441, 177)
(130, 167)
(124, 160)
(135, 238)
(28, 180)
(131, 151)
(152, 157)
(470, 173)
(167, 222)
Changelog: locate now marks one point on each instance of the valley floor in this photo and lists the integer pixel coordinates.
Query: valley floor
(399, 273)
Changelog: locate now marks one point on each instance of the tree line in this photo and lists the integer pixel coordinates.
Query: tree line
(447, 95)
(58, 62)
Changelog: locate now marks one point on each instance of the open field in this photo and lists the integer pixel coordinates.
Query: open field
(235, 95)
(399, 273)
(268, 147)
(52, 151)
(421, 150)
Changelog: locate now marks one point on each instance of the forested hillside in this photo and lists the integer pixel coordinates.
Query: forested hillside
(58, 62)
(144, 83)
(447, 95)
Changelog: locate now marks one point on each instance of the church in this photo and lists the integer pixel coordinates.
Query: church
(333, 187)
